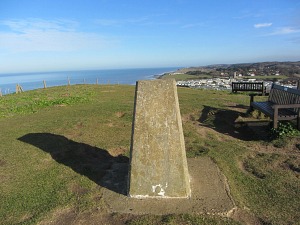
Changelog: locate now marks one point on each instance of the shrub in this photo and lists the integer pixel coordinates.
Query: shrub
(285, 129)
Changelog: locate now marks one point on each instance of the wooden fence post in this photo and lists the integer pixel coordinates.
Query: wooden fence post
(19, 89)
(69, 83)
(45, 85)
(0, 92)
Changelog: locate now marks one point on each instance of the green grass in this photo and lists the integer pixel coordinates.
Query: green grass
(33, 101)
(185, 76)
(40, 128)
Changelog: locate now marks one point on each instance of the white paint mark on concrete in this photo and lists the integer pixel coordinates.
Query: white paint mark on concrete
(159, 189)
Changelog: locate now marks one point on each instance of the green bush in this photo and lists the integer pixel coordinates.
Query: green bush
(285, 129)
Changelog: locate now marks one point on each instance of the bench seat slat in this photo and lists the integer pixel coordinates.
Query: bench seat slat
(266, 108)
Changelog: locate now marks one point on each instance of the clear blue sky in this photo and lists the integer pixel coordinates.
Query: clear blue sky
(49, 35)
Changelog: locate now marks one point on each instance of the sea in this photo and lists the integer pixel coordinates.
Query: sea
(31, 81)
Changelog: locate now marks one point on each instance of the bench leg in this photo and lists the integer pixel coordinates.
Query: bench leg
(275, 124)
(251, 100)
(275, 118)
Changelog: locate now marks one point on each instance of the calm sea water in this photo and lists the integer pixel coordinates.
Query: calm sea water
(30, 81)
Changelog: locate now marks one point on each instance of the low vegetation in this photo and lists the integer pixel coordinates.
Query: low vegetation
(51, 137)
(182, 76)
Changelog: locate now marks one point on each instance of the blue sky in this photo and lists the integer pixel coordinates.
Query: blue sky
(51, 35)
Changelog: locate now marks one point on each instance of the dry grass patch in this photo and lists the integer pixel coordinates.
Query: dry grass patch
(118, 151)
(120, 114)
(2, 162)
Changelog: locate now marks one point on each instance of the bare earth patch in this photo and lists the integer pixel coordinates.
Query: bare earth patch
(2, 162)
(210, 195)
(60, 217)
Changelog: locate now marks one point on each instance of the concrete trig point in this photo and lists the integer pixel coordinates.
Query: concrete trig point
(158, 165)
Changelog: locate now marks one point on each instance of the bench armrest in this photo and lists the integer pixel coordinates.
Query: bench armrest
(286, 106)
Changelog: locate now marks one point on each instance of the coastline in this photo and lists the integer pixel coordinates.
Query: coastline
(32, 81)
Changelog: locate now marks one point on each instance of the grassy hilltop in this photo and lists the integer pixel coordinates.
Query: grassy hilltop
(55, 145)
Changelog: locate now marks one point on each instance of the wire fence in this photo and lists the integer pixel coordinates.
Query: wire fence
(26, 86)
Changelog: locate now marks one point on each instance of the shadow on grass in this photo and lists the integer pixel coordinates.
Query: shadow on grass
(225, 121)
(95, 163)
(240, 106)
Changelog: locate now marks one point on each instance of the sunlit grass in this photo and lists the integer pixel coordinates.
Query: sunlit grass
(186, 77)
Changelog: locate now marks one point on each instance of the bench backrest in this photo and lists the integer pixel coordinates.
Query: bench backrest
(283, 95)
(248, 86)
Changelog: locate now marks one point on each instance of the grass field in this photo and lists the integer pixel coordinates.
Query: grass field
(185, 77)
(52, 139)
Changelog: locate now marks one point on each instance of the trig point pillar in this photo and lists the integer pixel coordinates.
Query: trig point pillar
(158, 166)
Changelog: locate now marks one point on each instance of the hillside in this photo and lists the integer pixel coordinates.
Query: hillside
(58, 145)
(290, 69)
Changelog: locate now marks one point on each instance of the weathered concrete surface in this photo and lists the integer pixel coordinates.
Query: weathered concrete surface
(158, 166)
(210, 194)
